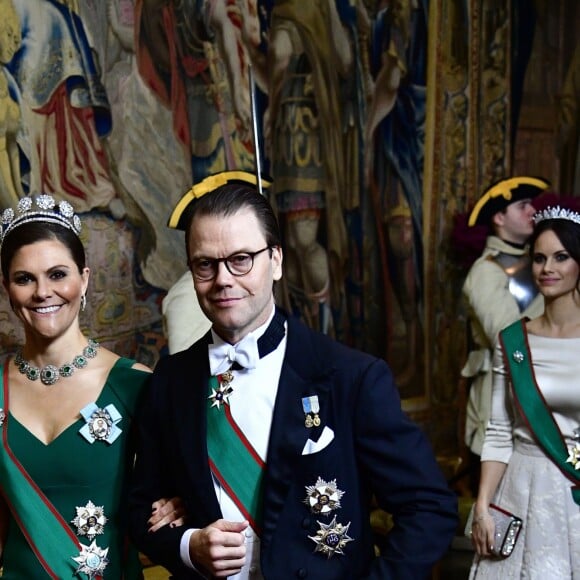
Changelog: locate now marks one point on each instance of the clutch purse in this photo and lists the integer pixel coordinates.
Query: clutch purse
(507, 529)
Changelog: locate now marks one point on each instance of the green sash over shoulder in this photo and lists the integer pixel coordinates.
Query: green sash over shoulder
(49, 536)
(532, 405)
(234, 462)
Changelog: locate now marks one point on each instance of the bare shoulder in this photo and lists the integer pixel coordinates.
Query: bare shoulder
(141, 367)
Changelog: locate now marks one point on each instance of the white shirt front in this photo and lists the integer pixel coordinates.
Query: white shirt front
(252, 407)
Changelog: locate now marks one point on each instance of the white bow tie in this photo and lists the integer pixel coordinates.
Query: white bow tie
(222, 356)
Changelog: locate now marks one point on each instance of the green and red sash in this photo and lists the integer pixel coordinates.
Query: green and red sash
(532, 405)
(48, 534)
(234, 462)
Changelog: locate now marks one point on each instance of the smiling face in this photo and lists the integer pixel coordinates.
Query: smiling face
(45, 288)
(236, 305)
(555, 271)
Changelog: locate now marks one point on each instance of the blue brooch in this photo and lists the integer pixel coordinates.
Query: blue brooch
(101, 424)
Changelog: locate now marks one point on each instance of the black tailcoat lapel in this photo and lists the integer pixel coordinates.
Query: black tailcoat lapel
(303, 375)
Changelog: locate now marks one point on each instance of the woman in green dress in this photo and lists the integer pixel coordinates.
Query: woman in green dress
(66, 406)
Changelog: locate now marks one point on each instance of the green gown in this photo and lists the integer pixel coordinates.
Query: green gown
(71, 472)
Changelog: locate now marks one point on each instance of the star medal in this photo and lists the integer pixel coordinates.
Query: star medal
(574, 450)
(331, 538)
(90, 520)
(323, 497)
(101, 424)
(92, 560)
(311, 407)
(221, 395)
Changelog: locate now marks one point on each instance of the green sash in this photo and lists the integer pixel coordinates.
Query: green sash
(49, 536)
(532, 405)
(234, 462)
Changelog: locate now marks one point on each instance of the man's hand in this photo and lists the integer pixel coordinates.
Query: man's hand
(219, 548)
(166, 511)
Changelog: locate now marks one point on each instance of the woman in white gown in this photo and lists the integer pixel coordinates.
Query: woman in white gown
(531, 454)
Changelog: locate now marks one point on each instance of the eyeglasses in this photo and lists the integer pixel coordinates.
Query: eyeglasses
(238, 264)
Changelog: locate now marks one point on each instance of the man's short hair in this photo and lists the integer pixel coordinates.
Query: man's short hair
(224, 194)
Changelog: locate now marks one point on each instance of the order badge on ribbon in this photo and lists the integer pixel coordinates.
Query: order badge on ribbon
(101, 424)
(221, 395)
(311, 408)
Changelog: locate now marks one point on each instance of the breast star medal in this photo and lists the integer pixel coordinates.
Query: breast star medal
(311, 407)
(101, 424)
(323, 497)
(331, 538)
(574, 450)
(221, 395)
(90, 520)
(92, 560)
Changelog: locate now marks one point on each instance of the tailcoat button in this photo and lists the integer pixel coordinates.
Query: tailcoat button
(302, 573)
(306, 523)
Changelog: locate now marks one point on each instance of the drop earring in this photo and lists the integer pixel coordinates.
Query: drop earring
(83, 302)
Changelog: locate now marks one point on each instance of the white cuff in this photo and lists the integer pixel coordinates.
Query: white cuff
(184, 548)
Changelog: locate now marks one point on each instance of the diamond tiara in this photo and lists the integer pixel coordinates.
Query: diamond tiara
(42, 208)
(557, 213)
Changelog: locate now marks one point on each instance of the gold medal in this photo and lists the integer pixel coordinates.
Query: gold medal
(310, 406)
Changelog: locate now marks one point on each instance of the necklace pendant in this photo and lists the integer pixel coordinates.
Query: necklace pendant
(49, 375)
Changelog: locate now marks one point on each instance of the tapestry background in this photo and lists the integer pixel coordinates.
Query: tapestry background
(380, 122)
